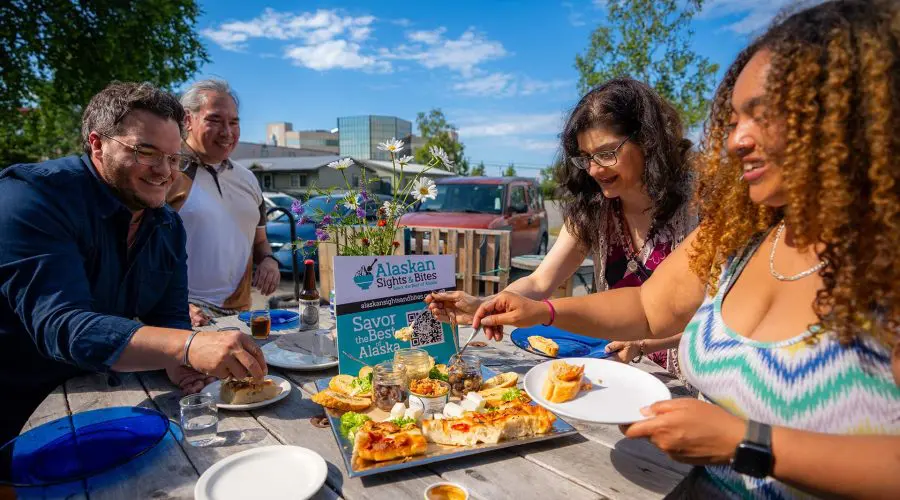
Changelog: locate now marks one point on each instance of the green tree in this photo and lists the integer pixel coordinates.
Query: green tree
(510, 170)
(548, 181)
(56, 54)
(478, 170)
(649, 40)
(437, 131)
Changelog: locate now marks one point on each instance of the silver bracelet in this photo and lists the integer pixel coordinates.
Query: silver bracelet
(187, 346)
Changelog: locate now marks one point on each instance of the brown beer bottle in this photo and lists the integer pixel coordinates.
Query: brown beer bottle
(309, 299)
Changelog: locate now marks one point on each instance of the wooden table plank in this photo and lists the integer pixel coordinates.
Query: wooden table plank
(164, 472)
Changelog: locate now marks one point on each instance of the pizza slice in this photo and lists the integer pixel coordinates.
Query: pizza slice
(383, 441)
(512, 420)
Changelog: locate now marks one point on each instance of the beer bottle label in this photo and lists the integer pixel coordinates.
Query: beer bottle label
(309, 314)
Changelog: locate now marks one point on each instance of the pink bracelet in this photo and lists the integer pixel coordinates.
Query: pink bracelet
(552, 313)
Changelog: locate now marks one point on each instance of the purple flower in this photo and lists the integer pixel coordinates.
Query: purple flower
(297, 207)
(303, 220)
(326, 220)
(363, 195)
(321, 235)
(361, 212)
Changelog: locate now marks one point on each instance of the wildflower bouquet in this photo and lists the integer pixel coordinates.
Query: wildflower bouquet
(347, 224)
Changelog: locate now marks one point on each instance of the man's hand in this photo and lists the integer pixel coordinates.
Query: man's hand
(227, 354)
(266, 277)
(188, 380)
(198, 317)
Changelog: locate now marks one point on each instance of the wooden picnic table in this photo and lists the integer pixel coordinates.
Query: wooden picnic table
(597, 463)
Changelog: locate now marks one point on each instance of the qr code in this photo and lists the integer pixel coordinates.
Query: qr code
(426, 329)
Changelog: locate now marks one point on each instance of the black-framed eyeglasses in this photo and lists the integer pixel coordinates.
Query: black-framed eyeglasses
(602, 158)
(150, 157)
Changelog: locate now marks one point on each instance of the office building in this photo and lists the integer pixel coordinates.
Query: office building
(283, 134)
(360, 135)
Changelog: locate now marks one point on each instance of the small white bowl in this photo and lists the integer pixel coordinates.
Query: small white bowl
(455, 485)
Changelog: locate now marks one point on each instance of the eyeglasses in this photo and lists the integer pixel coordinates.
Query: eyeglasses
(602, 158)
(150, 157)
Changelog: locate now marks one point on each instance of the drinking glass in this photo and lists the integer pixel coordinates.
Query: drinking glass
(199, 419)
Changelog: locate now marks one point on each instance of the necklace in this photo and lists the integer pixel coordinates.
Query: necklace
(780, 277)
(628, 242)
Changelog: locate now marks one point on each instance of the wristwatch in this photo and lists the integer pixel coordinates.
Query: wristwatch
(753, 456)
(269, 256)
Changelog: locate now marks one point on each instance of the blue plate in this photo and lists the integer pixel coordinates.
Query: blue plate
(281, 318)
(80, 446)
(570, 344)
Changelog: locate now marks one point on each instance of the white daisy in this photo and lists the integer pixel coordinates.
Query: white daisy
(424, 189)
(351, 201)
(441, 155)
(392, 146)
(392, 209)
(341, 164)
(405, 160)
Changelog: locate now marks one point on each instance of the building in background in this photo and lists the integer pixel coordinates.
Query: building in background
(360, 135)
(256, 150)
(282, 134)
(297, 175)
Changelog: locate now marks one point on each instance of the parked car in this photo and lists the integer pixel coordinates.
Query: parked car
(513, 203)
(278, 229)
(276, 199)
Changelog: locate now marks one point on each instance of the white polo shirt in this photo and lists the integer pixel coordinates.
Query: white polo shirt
(222, 207)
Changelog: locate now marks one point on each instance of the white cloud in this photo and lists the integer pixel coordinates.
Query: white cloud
(328, 39)
(433, 50)
(538, 145)
(512, 125)
(493, 84)
(529, 86)
(402, 22)
(575, 18)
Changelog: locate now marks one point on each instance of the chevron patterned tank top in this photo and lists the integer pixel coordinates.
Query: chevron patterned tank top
(807, 382)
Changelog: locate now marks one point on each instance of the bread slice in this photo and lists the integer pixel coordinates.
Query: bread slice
(343, 384)
(544, 345)
(563, 382)
(247, 391)
(383, 441)
(514, 420)
(504, 380)
(337, 401)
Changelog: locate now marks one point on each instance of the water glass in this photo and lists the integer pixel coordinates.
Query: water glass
(199, 419)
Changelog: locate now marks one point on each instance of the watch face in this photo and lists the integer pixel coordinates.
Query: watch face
(752, 460)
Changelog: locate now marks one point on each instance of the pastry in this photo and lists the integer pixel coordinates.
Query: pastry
(337, 401)
(512, 420)
(508, 379)
(544, 345)
(247, 391)
(382, 441)
(563, 382)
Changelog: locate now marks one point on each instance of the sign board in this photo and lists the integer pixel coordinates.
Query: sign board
(375, 296)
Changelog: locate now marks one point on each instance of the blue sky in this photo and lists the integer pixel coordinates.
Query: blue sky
(502, 71)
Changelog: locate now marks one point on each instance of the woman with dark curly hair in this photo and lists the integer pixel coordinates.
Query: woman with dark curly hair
(625, 181)
(788, 291)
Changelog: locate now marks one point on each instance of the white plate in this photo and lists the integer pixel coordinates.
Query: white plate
(619, 393)
(270, 472)
(214, 388)
(290, 360)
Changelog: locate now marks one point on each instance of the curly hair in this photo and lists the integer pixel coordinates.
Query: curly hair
(834, 83)
(628, 108)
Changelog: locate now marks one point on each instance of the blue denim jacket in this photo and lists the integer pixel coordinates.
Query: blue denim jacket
(71, 293)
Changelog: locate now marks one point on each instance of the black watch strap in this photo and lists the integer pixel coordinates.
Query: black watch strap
(268, 256)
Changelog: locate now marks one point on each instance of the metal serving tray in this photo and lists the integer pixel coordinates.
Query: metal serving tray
(436, 452)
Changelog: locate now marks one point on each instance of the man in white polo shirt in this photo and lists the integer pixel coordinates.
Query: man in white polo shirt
(222, 207)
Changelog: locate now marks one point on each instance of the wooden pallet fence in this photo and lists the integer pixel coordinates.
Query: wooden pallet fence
(482, 255)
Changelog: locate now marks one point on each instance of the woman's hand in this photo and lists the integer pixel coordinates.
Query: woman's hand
(623, 351)
(459, 303)
(508, 308)
(691, 431)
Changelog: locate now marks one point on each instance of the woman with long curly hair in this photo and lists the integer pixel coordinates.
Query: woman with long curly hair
(625, 178)
(788, 291)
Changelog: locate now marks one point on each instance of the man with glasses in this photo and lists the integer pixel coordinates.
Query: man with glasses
(93, 273)
(222, 207)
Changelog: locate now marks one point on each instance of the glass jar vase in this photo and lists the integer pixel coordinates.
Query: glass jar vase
(389, 385)
(464, 373)
(417, 362)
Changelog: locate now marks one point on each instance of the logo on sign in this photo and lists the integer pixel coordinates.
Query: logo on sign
(364, 277)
